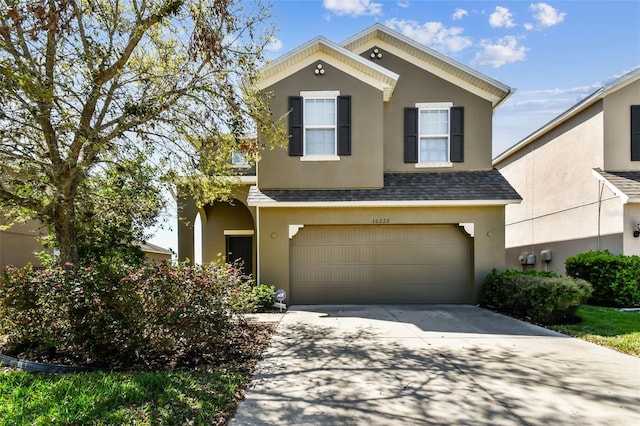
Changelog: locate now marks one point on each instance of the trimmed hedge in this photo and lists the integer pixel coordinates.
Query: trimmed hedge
(615, 277)
(544, 297)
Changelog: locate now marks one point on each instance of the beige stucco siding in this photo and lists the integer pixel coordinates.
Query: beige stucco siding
(617, 125)
(560, 198)
(215, 220)
(361, 169)
(417, 86)
(19, 244)
(274, 224)
(631, 220)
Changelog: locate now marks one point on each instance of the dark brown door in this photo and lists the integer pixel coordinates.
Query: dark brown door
(240, 250)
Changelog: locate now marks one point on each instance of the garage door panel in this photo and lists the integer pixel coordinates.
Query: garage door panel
(380, 264)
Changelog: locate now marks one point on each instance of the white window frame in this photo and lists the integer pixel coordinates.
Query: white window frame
(436, 106)
(320, 94)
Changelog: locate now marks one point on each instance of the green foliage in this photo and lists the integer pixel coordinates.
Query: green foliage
(84, 85)
(197, 396)
(92, 315)
(543, 297)
(263, 296)
(608, 327)
(615, 277)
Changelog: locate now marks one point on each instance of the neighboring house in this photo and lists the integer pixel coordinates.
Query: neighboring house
(579, 176)
(154, 253)
(19, 244)
(386, 191)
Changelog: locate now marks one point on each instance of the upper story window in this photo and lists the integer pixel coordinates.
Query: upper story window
(319, 125)
(434, 134)
(239, 159)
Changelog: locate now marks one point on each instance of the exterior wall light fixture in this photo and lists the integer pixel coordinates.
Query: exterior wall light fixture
(319, 70)
(376, 54)
(636, 233)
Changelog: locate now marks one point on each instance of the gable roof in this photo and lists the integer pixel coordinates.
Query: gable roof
(601, 93)
(429, 60)
(322, 49)
(347, 57)
(625, 185)
(401, 190)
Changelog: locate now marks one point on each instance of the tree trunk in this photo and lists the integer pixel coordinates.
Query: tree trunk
(64, 224)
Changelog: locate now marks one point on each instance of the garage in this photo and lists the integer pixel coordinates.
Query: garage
(381, 264)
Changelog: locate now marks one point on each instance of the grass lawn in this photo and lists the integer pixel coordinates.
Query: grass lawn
(199, 397)
(607, 327)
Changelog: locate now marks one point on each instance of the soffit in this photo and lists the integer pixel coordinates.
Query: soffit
(321, 49)
(429, 60)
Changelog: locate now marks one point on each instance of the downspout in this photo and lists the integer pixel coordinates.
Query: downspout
(600, 210)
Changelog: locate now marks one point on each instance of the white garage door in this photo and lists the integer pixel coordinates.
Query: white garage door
(380, 264)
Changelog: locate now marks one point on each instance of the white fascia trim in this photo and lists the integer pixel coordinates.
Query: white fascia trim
(358, 204)
(583, 104)
(623, 197)
(321, 49)
(367, 35)
(445, 75)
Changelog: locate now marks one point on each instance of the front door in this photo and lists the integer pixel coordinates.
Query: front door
(240, 249)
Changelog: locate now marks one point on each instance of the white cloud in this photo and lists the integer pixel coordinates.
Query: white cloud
(274, 45)
(432, 34)
(545, 15)
(501, 18)
(353, 7)
(403, 4)
(458, 14)
(503, 51)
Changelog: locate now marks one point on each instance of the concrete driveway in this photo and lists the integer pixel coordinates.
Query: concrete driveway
(434, 364)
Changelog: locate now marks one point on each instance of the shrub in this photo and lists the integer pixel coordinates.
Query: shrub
(543, 297)
(615, 278)
(94, 316)
(263, 296)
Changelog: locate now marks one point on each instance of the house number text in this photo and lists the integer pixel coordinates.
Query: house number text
(379, 220)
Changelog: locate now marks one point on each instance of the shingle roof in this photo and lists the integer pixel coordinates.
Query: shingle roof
(625, 184)
(480, 187)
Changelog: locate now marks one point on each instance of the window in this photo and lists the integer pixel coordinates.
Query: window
(434, 134)
(319, 125)
(239, 159)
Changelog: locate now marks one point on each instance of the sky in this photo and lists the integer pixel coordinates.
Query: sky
(553, 53)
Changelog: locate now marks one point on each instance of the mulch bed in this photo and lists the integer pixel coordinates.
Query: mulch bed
(238, 350)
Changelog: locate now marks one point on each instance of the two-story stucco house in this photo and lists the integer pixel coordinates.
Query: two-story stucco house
(386, 191)
(579, 176)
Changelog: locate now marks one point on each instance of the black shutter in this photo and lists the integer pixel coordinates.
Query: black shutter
(295, 125)
(635, 132)
(344, 125)
(456, 135)
(411, 135)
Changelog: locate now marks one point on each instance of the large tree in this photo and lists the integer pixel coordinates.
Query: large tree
(84, 83)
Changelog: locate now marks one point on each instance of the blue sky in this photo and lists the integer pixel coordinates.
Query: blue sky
(554, 53)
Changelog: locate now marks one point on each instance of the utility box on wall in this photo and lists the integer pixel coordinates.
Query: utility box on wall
(527, 259)
(545, 255)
